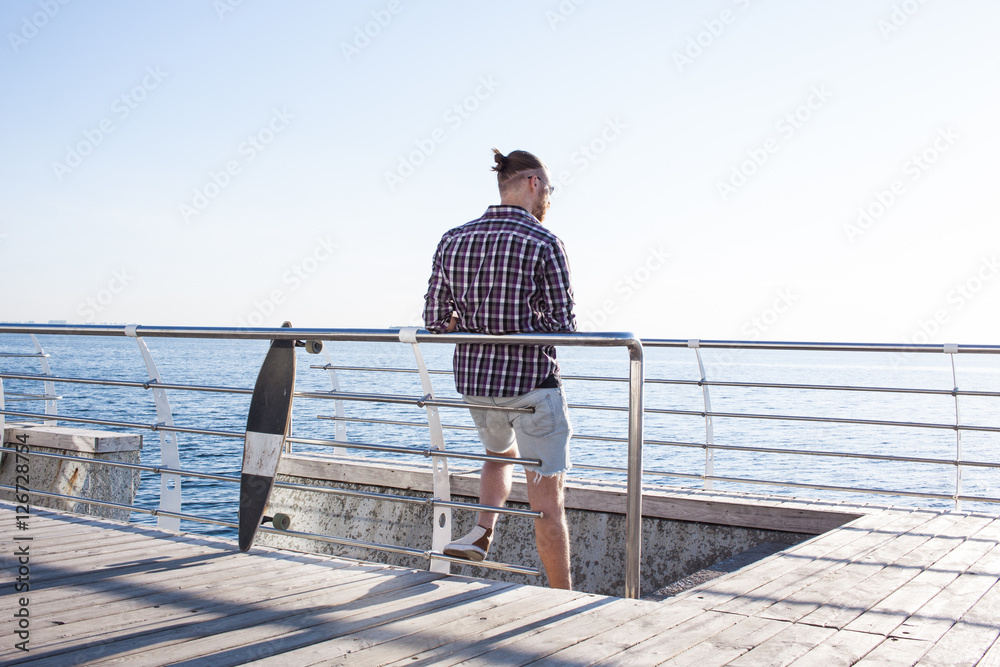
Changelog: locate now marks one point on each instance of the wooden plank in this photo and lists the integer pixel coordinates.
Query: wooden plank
(57, 604)
(807, 588)
(65, 606)
(602, 645)
(948, 607)
(972, 635)
(79, 545)
(481, 635)
(992, 657)
(731, 643)
(104, 639)
(326, 620)
(540, 644)
(682, 637)
(868, 581)
(781, 583)
(884, 617)
(895, 652)
(120, 618)
(843, 648)
(795, 641)
(402, 638)
(255, 625)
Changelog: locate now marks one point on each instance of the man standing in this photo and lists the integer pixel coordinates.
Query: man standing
(505, 274)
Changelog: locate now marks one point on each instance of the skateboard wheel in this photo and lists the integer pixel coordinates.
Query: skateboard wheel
(281, 521)
(314, 346)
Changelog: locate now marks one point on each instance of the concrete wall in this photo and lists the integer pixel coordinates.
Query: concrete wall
(73, 478)
(673, 546)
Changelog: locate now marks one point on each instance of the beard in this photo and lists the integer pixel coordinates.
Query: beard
(540, 207)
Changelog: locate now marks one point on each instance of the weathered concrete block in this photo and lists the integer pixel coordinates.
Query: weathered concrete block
(74, 478)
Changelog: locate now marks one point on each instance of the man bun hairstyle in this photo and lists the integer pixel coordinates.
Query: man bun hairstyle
(516, 162)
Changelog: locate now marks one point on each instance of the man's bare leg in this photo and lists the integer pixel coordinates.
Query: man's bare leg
(551, 534)
(494, 486)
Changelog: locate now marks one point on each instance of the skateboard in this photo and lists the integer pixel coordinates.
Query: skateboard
(268, 423)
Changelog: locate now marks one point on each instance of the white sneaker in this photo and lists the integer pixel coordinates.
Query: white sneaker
(473, 546)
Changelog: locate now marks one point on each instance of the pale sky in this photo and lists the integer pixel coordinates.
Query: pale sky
(733, 169)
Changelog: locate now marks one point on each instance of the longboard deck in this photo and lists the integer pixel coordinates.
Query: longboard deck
(267, 424)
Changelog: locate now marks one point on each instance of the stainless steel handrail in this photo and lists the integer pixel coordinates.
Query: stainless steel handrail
(344, 396)
(633, 517)
(819, 346)
(127, 383)
(828, 387)
(826, 420)
(850, 489)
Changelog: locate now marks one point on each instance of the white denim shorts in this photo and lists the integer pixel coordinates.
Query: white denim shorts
(543, 434)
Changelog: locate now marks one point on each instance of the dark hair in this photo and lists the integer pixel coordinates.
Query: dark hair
(508, 166)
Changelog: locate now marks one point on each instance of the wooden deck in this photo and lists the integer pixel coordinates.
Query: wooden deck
(891, 588)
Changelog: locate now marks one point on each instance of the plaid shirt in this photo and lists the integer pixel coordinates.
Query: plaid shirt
(503, 273)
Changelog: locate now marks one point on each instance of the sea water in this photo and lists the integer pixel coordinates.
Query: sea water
(598, 412)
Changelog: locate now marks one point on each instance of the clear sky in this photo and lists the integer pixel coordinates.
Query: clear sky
(736, 169)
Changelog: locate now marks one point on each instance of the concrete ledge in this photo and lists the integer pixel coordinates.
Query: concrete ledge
(73, 439)
(73, 478)
(726, 509)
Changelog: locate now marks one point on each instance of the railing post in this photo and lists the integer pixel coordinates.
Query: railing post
(951, 351)
(48, 388)
(339, 425)
(633, 514)
(709, 428)
(170, 485)
(441, 528)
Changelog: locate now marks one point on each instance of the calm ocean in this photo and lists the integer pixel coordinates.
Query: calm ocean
(235, 364)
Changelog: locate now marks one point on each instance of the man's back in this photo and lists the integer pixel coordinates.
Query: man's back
(503, 273)
(506, 274)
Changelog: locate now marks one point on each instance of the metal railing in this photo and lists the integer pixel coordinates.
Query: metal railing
(956, 462)
(706, 380)
(169, 514)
